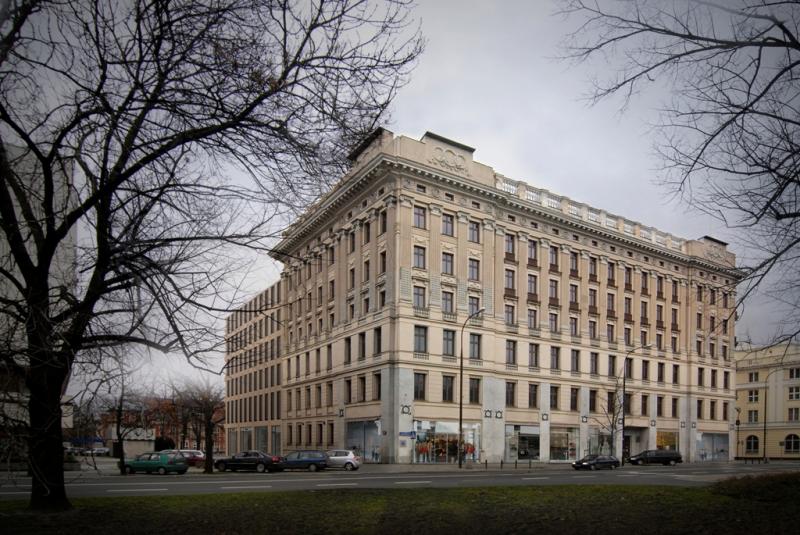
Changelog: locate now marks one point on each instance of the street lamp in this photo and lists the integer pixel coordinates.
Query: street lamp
(738, 422)
(766, 387)
(461, 389)
(624, 388)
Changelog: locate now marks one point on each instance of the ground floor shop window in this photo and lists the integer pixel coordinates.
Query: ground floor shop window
(564, 443)
(600, 442)
(792, 444)
(276, 440)
(522, 442)
(246, 438)
(712, 446)
(262, 436)
(667, 440)
(437, 442)
(751, 444)
(364, 438)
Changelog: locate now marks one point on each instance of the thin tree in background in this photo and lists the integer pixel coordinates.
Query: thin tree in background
(145, 148)
(731, 132)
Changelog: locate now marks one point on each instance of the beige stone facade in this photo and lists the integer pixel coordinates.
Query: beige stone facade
(768, 401)
(382, 274)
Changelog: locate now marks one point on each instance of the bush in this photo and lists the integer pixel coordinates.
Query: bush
(763, 488)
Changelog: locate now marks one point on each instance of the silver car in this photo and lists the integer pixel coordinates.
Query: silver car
(343, 459)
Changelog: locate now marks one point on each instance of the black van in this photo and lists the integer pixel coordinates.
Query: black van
(665, 457)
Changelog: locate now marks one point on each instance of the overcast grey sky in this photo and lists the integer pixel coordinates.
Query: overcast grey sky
(489, 78)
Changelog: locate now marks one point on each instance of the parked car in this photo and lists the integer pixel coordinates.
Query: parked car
(100, 451)
(595, 462)
(311, 460)
(251, 460)
(345, 459)
(665, 457)
(157, 462)
(193, 457)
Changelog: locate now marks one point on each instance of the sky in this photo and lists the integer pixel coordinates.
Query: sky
(490, 78)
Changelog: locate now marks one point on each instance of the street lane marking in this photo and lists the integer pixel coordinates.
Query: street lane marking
(13, 493)
(250, 487)
(410, 482)
(583, 477)
(626, 475)
(136, 490)
(337, 484)
(531, 478)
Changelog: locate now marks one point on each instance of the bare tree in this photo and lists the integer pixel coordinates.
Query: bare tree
(205, 404)
(610, 416)
(730, 133)
(145, 147)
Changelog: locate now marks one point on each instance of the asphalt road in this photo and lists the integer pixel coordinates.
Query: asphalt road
(376, 476)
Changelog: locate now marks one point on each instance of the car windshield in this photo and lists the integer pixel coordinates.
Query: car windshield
(589, 458)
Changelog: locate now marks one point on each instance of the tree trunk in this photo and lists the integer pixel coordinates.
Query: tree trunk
(45, 449)
(209, 466)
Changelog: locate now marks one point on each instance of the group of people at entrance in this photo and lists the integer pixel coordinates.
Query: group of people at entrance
(442, 451)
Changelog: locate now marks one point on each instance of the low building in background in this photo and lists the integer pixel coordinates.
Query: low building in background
(768, 402)
(563, 313)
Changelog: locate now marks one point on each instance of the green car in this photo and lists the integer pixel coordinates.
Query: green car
(157, 462)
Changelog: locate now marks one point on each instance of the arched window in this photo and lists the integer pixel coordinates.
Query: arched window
(792, 444)
(751, 444)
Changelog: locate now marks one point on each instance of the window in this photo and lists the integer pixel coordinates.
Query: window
(553, 397)
(366, 270)
(448, 343)
(533, 284)
(474, 390)
(592, 268)
(419, 297)
(362, 389)
(533, 396)
(573, 326)
(554, 258)
(594, 363)
(645, 370)
(645, 402)
(555, 358)
(509, 245)
(377, 340)
(573, 294)
(474, 346)
(674, 407)
(794, 373)
(612, 269)
(628, 368)
(448, 225)
(592, 400)
(701, 376)
(553, 289)
(419, 257)
(366, 232)
(573, 399)
(532, 255)
(575, 360)
(726, 380)
(612, 366)
(713, 379)
(447, 302)
(419, 386)
(533, 355)
(419, 217)
(362, 346)
(794, 414)
(383, 224)
(511, 394)
(420, 339)
(447, 387)
(509, 279)
(474, 269)
(347, 350)
(752, 396)
(752, 377)
(447, 263)
(752, 416)
(511, 352)
(751, 444)
(474, 304)
(660, 372)
(533, 319)
(553, 321)
(675, 374)
(509, 314)
(593, 329)
(794, 393)
(573, 264)
(352, 240)
(474, 232)
(660, 406)
(791, 444)
(352, 278)
(645, 281)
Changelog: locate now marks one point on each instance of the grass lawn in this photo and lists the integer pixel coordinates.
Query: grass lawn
(768, 504)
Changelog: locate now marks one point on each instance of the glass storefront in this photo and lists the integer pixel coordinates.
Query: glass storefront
(600, 442)
(233, 444)
(564, 443)
(667, 440)
(276, 440)
(261, 439)
(522, 442)
(246, 438)
(712, 447)
(437, 442)
(364, 438)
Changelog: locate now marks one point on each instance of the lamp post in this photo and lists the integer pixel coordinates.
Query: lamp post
(624, 392)
(738, 422)
(766, 387)
(461, 388)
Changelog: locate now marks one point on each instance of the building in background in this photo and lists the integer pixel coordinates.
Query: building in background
(768, 402)
(384, 282)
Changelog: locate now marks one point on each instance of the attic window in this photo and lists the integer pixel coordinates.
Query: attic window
(476, 204)
(594, 243)
(512, 218)
(449, 196)
(421, 188)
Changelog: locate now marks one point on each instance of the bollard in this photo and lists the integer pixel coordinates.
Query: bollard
(515, 464)
(501, 464)
(529, 465)
(486, 464)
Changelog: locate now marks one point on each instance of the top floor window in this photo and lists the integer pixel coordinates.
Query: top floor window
(532, 253)
(474, 231)
(419, 217)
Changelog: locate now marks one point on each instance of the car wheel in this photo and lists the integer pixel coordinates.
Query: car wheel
(672, 462)
(221, 467)
(349, 466)
(129, 470)
(162, 471)
(593, 467)
(260, 468)
(313, 468)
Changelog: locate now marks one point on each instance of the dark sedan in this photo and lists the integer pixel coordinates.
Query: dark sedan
(251, 460)
(596, 462)
(311, 460)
